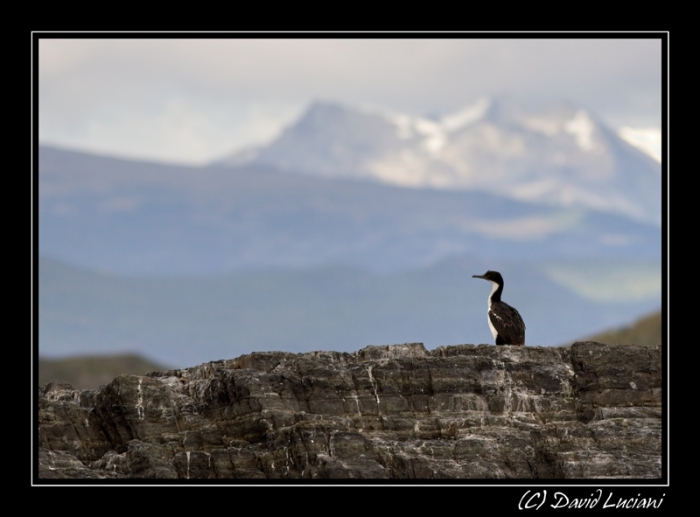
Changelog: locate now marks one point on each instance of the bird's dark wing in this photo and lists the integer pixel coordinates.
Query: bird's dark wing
(508, 323)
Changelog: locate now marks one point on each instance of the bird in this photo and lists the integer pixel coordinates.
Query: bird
(506, 324)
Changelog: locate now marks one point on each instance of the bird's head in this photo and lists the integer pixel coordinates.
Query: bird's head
(491, 276)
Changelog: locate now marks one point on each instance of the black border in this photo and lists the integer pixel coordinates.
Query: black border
(512, 494)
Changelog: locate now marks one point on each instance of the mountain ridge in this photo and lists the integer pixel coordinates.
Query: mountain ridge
(561, 155)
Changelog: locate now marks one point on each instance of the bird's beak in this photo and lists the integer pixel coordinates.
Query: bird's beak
(477, 276)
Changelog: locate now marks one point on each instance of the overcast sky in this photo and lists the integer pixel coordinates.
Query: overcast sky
(196, 100)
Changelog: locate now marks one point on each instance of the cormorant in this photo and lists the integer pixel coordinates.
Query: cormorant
(505, 322)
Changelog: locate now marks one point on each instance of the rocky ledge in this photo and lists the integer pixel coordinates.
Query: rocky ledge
(383, 412)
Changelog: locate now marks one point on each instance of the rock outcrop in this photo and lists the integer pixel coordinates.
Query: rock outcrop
(383, 412)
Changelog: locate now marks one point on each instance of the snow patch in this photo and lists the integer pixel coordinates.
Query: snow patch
(581, 127)
(646, 139)
(467, 116)
(528, 228)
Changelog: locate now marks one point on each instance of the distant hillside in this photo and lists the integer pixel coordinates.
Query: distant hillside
(90, 372)
(645, 331)
(185, 321)
(148, 219)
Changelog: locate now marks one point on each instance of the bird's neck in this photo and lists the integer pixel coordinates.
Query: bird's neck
(495, 293)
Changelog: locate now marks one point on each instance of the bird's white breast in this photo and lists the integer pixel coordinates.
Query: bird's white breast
(493, 330)
(494, 333)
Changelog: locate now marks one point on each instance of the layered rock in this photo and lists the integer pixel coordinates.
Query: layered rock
(383, 412)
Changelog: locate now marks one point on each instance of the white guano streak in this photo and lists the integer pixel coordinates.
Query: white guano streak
(374, 387)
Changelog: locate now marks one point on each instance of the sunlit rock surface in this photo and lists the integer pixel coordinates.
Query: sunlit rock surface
(383, 412)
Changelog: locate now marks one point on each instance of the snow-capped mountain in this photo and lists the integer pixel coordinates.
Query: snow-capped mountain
(561, 156)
